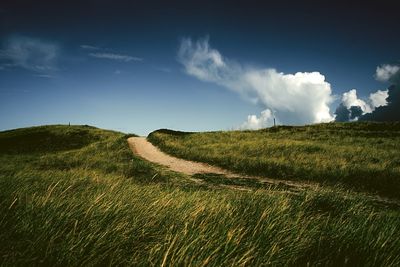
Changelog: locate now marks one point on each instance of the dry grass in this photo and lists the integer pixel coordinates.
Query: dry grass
(100, 205)
(363, 156)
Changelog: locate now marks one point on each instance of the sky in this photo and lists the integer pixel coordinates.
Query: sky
(138, 66)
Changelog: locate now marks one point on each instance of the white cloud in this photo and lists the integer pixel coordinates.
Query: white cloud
(379, 98)
(350, 99)
(113, 56)
(385, 72)
(29, 53)
(376, 99)
(43, 76)
(298, 98)
(89, 47)
(254, 123)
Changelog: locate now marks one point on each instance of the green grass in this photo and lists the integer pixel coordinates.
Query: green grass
(88, 201)
(363, 156)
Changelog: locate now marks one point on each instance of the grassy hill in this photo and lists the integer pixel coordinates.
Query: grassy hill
(77, 196)
(364, 156)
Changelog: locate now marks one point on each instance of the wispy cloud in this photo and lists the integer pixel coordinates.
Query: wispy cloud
(29, 53)
(44, 76)
(299, 98)
(114, 56)
(89, 47)
(106, 53)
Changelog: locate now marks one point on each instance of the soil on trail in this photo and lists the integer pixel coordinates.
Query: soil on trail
(146, 150)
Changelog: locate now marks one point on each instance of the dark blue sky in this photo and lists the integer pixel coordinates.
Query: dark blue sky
(114, 64)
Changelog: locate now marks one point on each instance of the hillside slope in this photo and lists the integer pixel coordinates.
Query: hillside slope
(364, 156)
(73, 196)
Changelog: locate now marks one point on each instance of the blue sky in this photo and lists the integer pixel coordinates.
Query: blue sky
(117, 64)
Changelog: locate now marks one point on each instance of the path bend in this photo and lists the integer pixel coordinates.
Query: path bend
(146, 150)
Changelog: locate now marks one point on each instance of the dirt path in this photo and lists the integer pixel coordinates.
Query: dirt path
(146, 150)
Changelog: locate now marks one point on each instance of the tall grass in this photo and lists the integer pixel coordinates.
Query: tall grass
(364, 156)
(100, 205)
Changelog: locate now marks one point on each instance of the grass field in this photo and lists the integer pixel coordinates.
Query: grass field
(364, 156)
(77, 196)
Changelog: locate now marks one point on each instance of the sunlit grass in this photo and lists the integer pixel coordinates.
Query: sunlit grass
(364, 156)
(100, 205)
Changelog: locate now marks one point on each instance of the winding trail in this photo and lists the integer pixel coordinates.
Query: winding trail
(146, 150)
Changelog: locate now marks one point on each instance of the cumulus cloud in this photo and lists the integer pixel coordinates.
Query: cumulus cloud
(384, 105)
(379, 98)
(29, 53)
(352, 108)
(254, 123)
(391, 110)
(350, 99)
(385, 72)
(113, 56)
(299, 98)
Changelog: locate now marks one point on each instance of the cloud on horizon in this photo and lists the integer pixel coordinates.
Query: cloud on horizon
(299, 98)
(352, 108)
(390, 111)
(350, 99)
(383, 105)
(254, 123)
(29, 53)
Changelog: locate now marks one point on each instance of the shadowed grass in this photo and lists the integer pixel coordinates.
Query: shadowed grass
(100, 205)
(248, 183)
